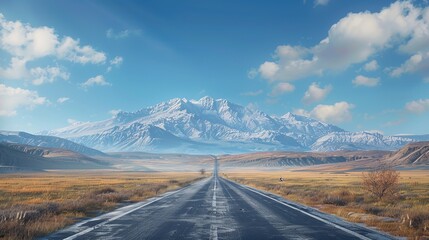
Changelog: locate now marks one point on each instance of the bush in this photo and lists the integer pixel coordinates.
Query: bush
(416, 219)
(372, 209)
(104, 191)
(335, 200)
(381, 183)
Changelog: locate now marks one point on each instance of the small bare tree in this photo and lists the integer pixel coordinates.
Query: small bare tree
(382, 182)
(202, 171)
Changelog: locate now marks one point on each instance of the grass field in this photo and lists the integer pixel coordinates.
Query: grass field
(342, 194)
(35, 204)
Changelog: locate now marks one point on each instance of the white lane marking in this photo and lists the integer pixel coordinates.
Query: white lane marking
(309, 214)
(213, 232)
(214, 196)
(89, 229)
(213, 228)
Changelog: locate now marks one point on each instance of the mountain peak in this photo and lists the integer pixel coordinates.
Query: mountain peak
(218, 125)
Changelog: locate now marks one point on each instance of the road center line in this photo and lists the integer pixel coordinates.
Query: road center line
(213, 232)
(213, 227)
(214, 196)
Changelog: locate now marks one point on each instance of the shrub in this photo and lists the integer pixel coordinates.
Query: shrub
(335, 200)
(104, 191)
(372, 209)
(381, 183)
(416, 219)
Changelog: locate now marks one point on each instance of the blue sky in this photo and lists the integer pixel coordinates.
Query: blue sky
(362, 65)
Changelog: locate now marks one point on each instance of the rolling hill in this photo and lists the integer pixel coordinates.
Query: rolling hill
(46, 141)
(19, 157)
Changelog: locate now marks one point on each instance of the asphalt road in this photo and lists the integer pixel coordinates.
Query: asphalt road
(216, 208)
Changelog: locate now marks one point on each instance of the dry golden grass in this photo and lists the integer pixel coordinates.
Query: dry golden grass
(35, 204)
(342, 194)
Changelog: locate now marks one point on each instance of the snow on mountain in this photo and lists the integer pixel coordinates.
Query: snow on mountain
(358, 141)
(304, 129)
(207, 125)
(420, 138)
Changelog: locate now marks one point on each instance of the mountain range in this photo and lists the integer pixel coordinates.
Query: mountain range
(46, 141)
(20, 157)
(217, 126)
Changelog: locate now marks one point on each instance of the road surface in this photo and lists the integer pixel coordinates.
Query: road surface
(216, 208)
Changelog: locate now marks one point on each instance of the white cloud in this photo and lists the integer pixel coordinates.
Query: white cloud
(371, 66)
(110, 33)
(62, 99)
(353, 39)
(316, 93)
(72, 121)
(15, 98)
(16, 70)
(252, 93)
(365, 81)
(114, 112)
(26, 44)
(117, 61)
(281, 88)
(301, 112)
(321, 2)
(97, 80)
(71, 50)
(337, 113)
(418, 106)
(418, 63)
(269, 69)
(252, 73)
(48, 74)
(23, 41)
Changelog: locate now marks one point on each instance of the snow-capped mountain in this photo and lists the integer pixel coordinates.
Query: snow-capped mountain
(207, 125)
(358, 141)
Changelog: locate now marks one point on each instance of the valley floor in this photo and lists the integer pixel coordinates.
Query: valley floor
(341, 193)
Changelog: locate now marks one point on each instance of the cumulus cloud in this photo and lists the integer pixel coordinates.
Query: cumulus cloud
(110, 33)
(315, 93)
(16, 70)
(97, 80)
(48, 74)
(301, 112)
(282, 88)
(371, 66)
(26, 44)
(268, 70)
(62, 99)
(337, 113)
(418, 63)
(71, 50)
(17, 98)
(418, 106)
(352, 40)
(114, 112)
(365, 81)
(117, 61)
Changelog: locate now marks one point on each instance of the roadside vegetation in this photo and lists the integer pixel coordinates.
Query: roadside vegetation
(35, 204)
(394, 202)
